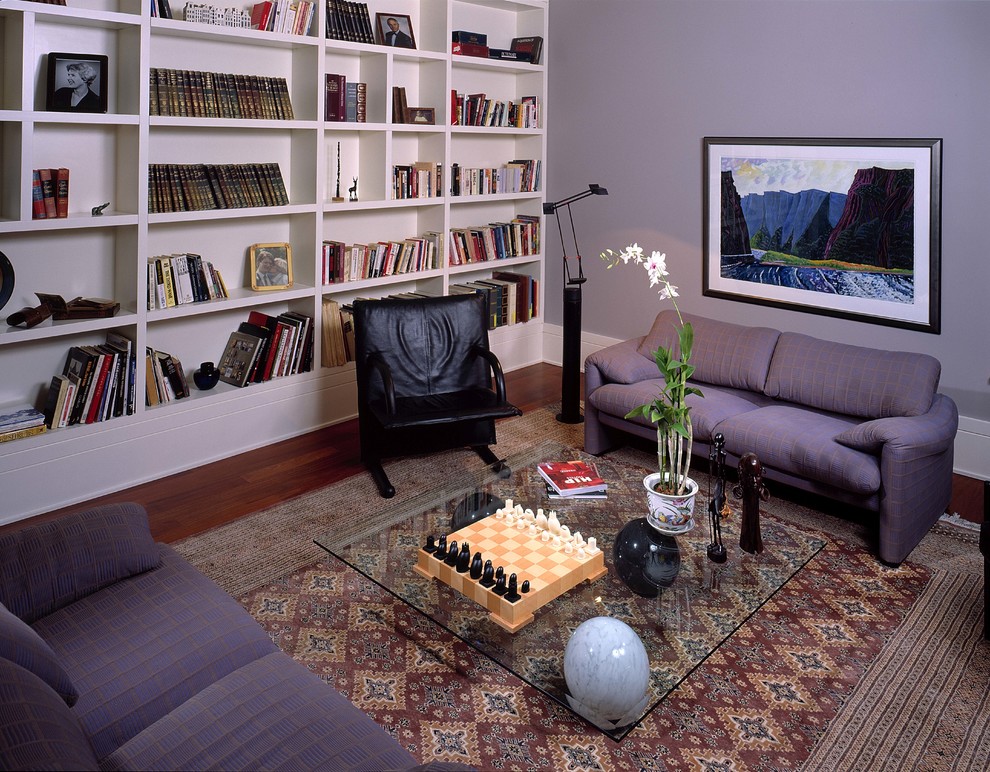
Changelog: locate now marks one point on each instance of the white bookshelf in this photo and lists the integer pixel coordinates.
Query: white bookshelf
(109, 156)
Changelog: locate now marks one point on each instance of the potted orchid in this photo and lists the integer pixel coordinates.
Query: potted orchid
(669, 410)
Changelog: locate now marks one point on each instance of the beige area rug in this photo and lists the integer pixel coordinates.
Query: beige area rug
(922, 704)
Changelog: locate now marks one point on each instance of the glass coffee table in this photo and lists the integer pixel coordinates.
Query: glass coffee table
(682, 605)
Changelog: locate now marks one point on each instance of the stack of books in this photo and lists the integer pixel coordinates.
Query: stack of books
(96, 384)
(266, 347)
(572, 480)
(18, 421)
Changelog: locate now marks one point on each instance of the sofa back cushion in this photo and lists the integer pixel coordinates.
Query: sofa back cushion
(724, 354)
(37, 729)
(852, 380)
(47, 566)
(19, 643)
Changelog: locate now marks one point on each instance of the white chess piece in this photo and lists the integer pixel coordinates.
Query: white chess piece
(509, 504)
(553, 524)
(592, 545)
(541, 520)
(556, 540)
(578, 538)
(545, 536)
(568, 548)
(565, 533)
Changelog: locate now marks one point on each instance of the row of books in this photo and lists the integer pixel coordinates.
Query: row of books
(266, 347)
(349, 21)
(49, 193)
(291, 18)
(96, 384)
(199, 94)
(21, 420)
(194, 187)
(345, 101)
(177, 279)
(512, 297)
(519, 176)
(337, 334)
(164, 379)
(495, 241)
(479, 110)
(201, 13)
(423, 179)
(342, 262)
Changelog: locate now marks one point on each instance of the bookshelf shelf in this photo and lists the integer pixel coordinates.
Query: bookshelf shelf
(111, 157)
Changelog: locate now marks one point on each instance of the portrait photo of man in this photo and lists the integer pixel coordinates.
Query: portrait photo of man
(395, 30)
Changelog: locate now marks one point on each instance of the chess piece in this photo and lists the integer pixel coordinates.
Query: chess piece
(464, 558)
(716, 499)
(553, 524)
(751, 490)
(592, 545)
(487, 575)
(500, 588)
(451, 558)
(512, 591)
(441, 551)
(431, 546)
(541, 520)
(525, 585)
(476, 567)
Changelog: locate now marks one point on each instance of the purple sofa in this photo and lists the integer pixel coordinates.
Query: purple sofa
(862, 426)
(115, 653)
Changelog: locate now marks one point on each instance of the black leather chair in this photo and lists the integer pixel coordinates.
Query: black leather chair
(424, 379)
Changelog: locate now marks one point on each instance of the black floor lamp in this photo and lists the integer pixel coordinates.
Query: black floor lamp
(570, 380)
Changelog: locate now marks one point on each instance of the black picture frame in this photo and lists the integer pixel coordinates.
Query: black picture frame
(68, 73)
(404, 29)
(848, 228)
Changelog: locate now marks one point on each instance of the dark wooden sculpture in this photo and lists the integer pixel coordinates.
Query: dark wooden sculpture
(751, 490)
(716, 499)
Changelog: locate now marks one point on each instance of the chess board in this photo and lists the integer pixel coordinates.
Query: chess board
(550, 570)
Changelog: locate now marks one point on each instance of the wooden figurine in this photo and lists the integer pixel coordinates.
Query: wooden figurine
(751, 490)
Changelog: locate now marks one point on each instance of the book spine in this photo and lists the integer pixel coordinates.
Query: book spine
(48, 191)
(38, 211)
(62, 192)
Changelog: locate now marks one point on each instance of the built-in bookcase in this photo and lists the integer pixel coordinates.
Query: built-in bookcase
(109, 156)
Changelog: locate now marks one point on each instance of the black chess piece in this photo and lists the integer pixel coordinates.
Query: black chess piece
(487, 575)
(476, 567)
(431, 545)
(512, 594)
(500, 588)
(441, 550)
(499, 573)
(525, 585)
(464, 558)
(451, 559)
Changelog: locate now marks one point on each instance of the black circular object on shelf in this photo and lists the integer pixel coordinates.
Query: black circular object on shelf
(6, 280)
(645, 559)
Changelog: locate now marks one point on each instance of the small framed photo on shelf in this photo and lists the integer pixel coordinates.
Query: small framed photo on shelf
(421, 115)
(394, 29)
(77, 83)
(271, 266)
(238, 357)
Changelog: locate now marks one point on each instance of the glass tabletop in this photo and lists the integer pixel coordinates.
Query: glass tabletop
(681, 605)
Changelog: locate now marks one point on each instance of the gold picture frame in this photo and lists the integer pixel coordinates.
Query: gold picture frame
(271, 266)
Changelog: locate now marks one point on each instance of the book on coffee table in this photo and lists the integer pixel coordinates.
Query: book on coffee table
(571, 478)
(595, 495)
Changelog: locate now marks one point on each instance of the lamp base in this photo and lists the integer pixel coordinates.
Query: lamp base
(570, 381)
(568, 419)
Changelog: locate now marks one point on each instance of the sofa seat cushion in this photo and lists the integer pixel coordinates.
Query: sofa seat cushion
(47, 566)
(139, 648)
(23, 646)
(801, 442)
(707, 412)
(268, 714)
(37, 729)
(724, 354)
(852, 380)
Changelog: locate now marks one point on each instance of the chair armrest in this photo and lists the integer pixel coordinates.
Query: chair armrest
(496, 366)
(50, 565)
(378, 363)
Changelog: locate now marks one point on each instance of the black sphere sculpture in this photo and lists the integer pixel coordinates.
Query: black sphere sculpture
(645, 559)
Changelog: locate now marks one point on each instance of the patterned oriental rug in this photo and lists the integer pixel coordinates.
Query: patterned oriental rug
(852, 666)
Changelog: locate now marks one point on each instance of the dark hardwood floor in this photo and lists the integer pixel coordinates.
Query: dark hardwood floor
(199, 499)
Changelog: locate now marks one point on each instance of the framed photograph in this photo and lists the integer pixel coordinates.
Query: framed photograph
(849, 228)
(421, 115)
(238, 358)
(394, 29)
(271, 266)
(77, 83)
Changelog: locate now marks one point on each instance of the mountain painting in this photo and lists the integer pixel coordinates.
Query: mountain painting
(837, 228)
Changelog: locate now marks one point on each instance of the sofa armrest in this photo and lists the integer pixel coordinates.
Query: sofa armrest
(47, 566)
(909, 437)
(618, 363)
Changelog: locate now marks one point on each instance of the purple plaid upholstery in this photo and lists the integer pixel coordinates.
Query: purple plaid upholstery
(853, 380)
(724, 354)
(37, 729)
(20, 644)
(278, 716)
(619, 366)
(47, 566)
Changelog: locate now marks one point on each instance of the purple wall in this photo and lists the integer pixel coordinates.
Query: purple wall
(636, 84)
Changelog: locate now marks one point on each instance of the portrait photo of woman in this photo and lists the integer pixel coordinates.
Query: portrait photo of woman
(77, 83)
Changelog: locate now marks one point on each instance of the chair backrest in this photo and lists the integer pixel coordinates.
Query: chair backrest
(426, 342)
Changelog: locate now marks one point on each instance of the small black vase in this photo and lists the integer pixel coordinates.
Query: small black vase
(206, 376)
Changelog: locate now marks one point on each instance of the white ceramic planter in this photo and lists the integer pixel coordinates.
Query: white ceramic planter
(669, 511)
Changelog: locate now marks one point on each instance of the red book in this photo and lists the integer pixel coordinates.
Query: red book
(335, 108)
(570, 478)
(48, 192)
(37, 197)
(61, 191)
(260, 15)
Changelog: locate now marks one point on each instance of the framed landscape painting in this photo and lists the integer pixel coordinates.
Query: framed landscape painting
(842, 227)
